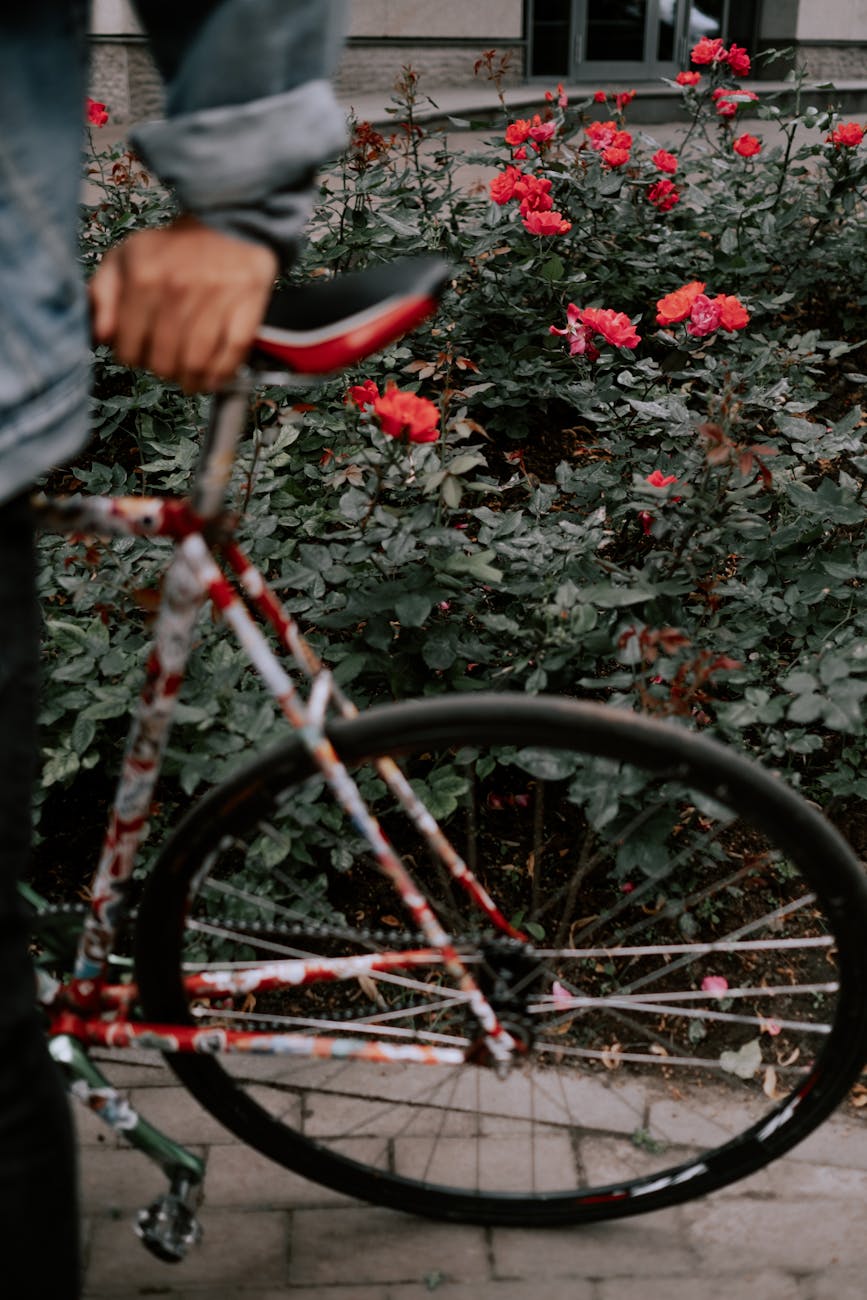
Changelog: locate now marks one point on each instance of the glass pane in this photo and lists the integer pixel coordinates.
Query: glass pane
(551, 32)
(615, 31)
(668, 12)
(706, 19)
(742, 23)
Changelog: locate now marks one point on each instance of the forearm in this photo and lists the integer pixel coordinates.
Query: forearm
(250, 109)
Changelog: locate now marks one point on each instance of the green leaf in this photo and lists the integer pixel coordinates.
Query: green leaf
(349, 668)
(451, 491)
(554, 269)
(729, 240)
(607, 596)
(547, 764)
(800, 683)
(461, 464)
(83, 732)
(413, 609)
(833, 669)
(806, 708)
(439, 650)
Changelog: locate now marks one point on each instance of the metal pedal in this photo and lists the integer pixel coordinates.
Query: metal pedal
(169, 1227)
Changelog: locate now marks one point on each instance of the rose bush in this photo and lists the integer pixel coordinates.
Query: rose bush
(625, 461)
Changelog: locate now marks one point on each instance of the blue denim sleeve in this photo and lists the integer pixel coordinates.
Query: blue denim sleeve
(250, 109)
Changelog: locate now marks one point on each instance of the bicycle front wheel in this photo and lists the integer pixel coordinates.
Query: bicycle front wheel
(688, 991)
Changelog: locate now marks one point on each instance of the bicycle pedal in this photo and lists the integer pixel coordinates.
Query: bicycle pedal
(168, 1228)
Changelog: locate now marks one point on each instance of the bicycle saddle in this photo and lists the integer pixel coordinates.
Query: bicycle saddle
(325, 326)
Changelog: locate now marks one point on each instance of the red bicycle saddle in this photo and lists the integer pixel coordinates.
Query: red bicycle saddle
(325, 326)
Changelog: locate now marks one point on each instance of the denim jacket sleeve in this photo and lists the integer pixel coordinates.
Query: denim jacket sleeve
(250, 110)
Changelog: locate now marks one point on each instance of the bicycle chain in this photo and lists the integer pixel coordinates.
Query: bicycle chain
(286, 930)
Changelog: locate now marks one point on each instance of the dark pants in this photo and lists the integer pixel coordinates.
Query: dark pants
(39, 1254)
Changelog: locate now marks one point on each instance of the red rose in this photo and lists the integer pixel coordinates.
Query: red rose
(666, 162)
(614, 326)
(625, 97)
(362, 395)
(600, 97)
(517, 132)
(664, 195)
(578, 334)
(738, 60)
(849, 134)
(541, 131)
(747, 145)
(733, 313)
(546, 223)
(601, 135)
(708, 51)
(406, 416)
(704, 317)
(658, 479)
(614, 157)
(97, 114)
(502, 187)
(534, 193)
(688, 78)
(675, 307)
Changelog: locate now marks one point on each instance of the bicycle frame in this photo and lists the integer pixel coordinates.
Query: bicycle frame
(90, 1009)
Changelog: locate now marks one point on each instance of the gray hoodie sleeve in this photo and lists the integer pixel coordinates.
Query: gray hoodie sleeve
(250, 110)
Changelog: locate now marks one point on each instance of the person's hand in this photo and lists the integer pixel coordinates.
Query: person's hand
(184, 301)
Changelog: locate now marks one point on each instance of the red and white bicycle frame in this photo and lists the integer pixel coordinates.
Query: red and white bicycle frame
(94, 1011)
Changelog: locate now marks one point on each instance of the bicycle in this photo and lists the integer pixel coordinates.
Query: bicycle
(632, 968)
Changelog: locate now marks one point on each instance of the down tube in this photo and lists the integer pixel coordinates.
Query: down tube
(127, 826)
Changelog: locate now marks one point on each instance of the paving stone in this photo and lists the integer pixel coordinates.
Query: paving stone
(118, 1178)
(734, 1235)
(842, 1142)
(652, 1245)
(327, 1114)
(611, 1159)
(377, 1099)
(503, 1163)
(764, 1285)
(576, 1289)
(364, 1245)
(704, 1119)
(239, 1248)
(238, 1175)
(134, 1068)
(176, 1113)
(835, 1284)
(170, 1290)
(793, 1179)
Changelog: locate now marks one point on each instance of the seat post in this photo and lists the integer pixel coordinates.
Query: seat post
(225, 426)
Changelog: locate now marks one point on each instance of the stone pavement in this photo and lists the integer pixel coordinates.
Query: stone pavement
(796, 1231)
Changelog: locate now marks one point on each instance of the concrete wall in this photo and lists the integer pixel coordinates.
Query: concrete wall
(482, 19)
(843, 20)
(113, 18)
(830, 36)
(442, 39)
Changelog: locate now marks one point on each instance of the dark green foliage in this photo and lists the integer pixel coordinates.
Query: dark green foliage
(525, 549)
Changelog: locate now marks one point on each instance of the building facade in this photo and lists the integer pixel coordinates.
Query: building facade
(577, 41)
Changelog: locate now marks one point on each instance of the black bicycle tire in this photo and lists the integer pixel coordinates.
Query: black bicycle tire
(826, 861)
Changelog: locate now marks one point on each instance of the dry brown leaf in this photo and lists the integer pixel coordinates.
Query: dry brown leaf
(611, 1056)
(769, 1083)
(368, 987)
